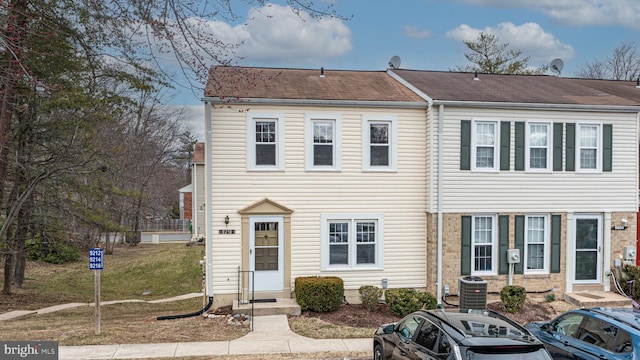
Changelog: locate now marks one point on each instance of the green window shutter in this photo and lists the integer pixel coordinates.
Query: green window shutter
(607, 147)
(519, 232)
(556, 234)
(571, 147)
(465, 145)
(520, 142)
(557, 146)
(465, 263)
(503, 240)
(505, 145)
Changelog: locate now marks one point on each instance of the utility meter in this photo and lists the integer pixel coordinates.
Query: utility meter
(513, 256)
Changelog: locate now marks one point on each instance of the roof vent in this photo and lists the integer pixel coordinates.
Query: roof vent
(321, 72)
(475, 76)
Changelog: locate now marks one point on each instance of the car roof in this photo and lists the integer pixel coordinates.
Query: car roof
(627, 316)
(479, 327)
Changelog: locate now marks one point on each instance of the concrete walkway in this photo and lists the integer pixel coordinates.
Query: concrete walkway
(271, 335)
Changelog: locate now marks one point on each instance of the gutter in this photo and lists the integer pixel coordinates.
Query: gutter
(541, 106)
(208, 208)
(440, 166)
(311, 102)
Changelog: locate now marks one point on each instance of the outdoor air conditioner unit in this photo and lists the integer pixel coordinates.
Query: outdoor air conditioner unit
(473, 293)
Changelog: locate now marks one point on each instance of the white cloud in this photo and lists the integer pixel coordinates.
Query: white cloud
(278, 33)
(415, 32)
(579, 12)
(530, 38)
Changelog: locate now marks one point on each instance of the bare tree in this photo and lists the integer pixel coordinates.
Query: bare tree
(623, 64)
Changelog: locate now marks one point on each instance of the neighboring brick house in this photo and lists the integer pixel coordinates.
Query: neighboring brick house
(349, 174)
(542, 164)
(198, 190)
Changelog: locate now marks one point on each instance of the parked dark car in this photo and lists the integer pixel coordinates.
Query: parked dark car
(456, 335)
(601, 333)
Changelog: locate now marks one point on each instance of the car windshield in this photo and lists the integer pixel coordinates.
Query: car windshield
(515, 354)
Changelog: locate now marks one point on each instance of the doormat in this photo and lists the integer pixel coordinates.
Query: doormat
(262, 300)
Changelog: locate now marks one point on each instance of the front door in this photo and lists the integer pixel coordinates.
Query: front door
(266, 252)
(588, 249)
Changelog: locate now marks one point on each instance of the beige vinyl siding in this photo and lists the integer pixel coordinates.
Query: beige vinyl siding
(523, 191)
(398, 196)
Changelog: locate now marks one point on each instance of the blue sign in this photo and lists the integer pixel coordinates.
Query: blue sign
(96, 259)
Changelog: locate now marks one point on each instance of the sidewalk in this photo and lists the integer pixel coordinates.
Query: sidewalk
(271, 335)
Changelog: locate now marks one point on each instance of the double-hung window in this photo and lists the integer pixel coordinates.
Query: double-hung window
(483, 245)
(379, 145)
(265, 142)
(352, 242)
(589, 147)
(323, 143)
(538, 146)
(484, 147)
(536, 250)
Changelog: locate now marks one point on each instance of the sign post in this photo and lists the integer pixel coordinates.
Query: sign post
(96, 263)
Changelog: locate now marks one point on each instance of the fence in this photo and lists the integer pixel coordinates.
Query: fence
(165, 225)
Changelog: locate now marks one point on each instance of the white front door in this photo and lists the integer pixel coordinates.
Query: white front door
(588, 249)
(266, 252)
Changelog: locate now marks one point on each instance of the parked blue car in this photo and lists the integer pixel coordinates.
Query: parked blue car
(585, 334)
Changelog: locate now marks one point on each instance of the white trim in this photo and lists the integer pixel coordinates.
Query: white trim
(548, 168)
(352, 219)
(309, 145)
(496, 145)
(494, 245)
(278, 118)
(599, 245)
(599, 152)
(546, 244)
(392, 120)
(270, 280)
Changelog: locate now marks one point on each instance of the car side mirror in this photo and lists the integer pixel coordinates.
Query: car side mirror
(388, 329)
(545, 327)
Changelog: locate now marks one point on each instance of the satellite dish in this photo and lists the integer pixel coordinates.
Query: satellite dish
(394, 63)
(556, 65)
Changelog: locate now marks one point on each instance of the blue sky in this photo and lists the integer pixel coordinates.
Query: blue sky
(425, 34)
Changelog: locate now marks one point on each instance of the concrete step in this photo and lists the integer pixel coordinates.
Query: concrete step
(589, 299)
(279, 307)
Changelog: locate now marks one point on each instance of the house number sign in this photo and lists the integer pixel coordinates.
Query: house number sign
(226, 232)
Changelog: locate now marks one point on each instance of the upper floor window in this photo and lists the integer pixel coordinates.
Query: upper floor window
(265, 142)
(323, 143)
(352, 242)
(538, 146)
(589, 146)
(536, 251)
(379, 145)
(484, 145)
(483, 245)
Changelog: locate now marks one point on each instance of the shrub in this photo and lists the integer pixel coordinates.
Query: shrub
(550, 297)
(513, 296)
(369, 296)
(62, 253)
(630, 281)
(405, 301)
(320, 294)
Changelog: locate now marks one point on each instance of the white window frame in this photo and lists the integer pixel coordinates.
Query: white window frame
(393, 142)
(352, 219)
(310, 119)
(548, 147)
(494, 245)
(546, 245)
(598, 148)
(252, 118)
(496, 145)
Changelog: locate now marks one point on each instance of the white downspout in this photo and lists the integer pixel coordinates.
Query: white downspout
(440, 157)
(208, 201)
